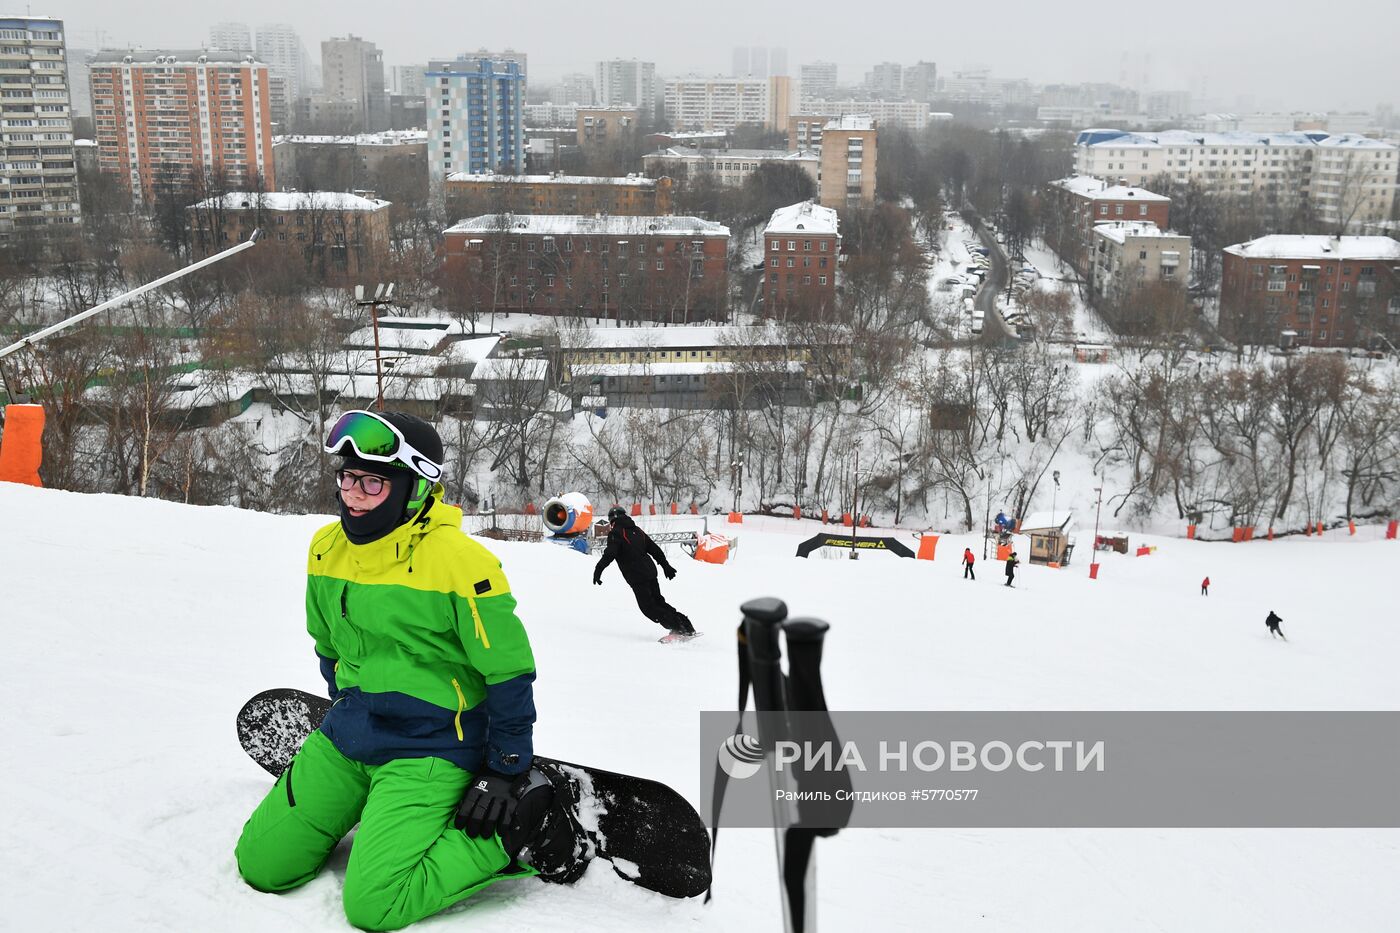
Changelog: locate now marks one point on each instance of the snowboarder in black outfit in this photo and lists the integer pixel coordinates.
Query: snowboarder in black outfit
(1272, 622)
(1011, 563)
(635, 552)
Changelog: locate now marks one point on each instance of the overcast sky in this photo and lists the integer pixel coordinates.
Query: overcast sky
(1341, 54)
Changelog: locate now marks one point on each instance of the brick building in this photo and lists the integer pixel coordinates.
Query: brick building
(1312, 290)
(598, 127)
(181, 120)
(848, 152)
(632, 195)
(341, 236)
(627, 268)
(801, 245)
(348, 163)
(1081, 201)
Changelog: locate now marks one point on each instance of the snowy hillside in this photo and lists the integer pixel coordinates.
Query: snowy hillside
(134, 629)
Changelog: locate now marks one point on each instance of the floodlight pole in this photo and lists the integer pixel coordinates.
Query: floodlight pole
(382, 295)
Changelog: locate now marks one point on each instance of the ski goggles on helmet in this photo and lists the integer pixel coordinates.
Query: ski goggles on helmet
(373, 438)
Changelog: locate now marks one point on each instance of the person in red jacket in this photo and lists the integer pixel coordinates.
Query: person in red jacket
(1205, 587)
(968, 561)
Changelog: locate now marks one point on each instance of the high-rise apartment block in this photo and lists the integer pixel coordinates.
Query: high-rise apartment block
(885, 78)
(475, 118)
(182, 120)
(573, 88)
(621, 82)
(279, 46)
(818, 81)
(352, 69)
(38, 177)
(230, 37)
(408, 80)
(699, 103)
(921, 81)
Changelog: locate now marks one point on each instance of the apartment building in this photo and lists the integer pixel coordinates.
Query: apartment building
(600, 127)
(1130, 254)
(352, 70)
(723, 103)
(1350, 180)
(801, 246)
(633, 195)
(38, 174)
(1080, 202)
(182, 120)
(628, 268)
(475, 118)
(912, 115)
(347, 163)
(818, 82)
(1320, 291)
(730, 167)
(340, 236)
(281, 48)
(621, 82)
(849, 149)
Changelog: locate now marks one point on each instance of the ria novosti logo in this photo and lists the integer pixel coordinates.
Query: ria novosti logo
(740, 756)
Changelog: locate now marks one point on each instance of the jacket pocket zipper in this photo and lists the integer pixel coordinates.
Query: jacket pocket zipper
(291, 798)
(476, 620)
(457, 722)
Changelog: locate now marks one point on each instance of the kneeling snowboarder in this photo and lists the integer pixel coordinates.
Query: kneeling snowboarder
(1272, 622)
(634, 552)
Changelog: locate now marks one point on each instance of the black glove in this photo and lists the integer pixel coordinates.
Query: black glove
(489, 805)
(669, 571)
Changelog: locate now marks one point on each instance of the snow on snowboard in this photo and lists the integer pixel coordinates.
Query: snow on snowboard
(651, 834)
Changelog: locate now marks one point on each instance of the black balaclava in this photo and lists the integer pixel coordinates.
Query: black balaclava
(389, 514)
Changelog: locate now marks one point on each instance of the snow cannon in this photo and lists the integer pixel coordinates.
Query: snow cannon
(568, 514)
(568, 518)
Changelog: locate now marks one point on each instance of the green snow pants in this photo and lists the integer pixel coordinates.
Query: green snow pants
(407, 862)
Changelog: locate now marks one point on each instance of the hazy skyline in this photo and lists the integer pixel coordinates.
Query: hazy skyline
(1342, 58)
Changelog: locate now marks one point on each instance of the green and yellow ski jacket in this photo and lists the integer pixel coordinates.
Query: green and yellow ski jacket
(420, 646)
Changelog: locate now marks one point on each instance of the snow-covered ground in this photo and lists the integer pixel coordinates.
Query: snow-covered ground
(134, 629)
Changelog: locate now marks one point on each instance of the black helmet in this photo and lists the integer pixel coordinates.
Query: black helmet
(615, 513)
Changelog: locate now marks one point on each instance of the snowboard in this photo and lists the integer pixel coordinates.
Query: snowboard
(678, 638)
(649, 833)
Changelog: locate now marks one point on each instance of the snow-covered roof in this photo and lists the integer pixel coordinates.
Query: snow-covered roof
(696, 368)
(851, 121)
(1122, 139)
(804, 217)
(510, 368)
(1039, 521)
(630, 180)
(1294, 246)
(698, 336)
(173, 57)
(586, 225)
(386, 138)
(1099, 190)
(758, 155)
(292, 201)
(1119, 230)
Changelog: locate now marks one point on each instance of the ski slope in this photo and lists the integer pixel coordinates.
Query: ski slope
(134, 629)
